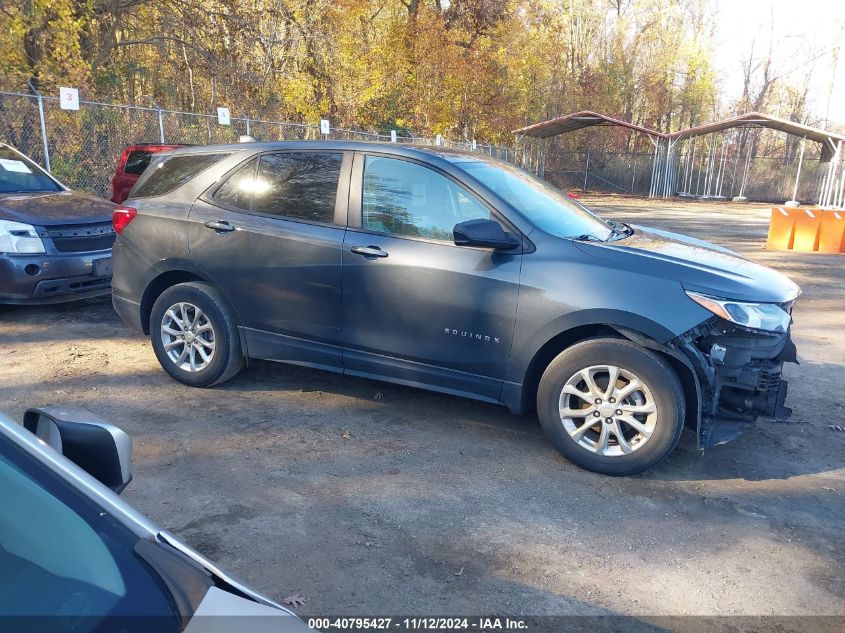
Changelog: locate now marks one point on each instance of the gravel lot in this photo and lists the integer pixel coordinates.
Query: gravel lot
(369, 498)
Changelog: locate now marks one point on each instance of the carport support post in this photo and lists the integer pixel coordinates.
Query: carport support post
(586, 167)
(720, 178)
(670, 168)
(830, 180)
(745, 170)
(736, 164)
(667, 168)
(654, 170)
(690, 168)
(798, 173)
(542, 158)
(634, 173)
(43, 125)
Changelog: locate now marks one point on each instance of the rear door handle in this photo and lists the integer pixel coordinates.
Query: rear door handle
(369, 251)
(221, 226)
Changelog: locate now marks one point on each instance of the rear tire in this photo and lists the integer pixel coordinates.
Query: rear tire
(619, 429)
(194, 337)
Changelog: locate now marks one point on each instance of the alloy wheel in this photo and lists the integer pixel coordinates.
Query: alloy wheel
(608, 410)
(187, 336)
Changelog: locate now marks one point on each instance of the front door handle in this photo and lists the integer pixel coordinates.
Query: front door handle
(369, 251)
(221, 226)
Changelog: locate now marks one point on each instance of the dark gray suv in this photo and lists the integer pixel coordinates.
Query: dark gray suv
(452, 272)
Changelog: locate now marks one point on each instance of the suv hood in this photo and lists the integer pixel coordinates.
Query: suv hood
(55, 207)
(696, 265)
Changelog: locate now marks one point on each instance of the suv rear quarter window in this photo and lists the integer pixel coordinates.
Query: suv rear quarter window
(169, 173)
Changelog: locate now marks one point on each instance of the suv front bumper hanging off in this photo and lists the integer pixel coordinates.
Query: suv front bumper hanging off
(740, 374)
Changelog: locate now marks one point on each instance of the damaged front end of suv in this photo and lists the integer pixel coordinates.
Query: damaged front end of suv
(738, 357)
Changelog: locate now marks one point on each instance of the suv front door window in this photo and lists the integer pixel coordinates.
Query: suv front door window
(403, 198)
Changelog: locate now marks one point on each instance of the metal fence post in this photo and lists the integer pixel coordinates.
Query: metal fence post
(43, 125)
(161, 125)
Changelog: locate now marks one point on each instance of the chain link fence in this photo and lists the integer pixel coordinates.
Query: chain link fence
(601, 171)
(81, 147)
(768, 178)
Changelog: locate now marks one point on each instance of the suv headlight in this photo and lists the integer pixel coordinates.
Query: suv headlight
(17, 237)
(759, 316)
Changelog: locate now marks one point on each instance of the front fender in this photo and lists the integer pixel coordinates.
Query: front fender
(525, 351)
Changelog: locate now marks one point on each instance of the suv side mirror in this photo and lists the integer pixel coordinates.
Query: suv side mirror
(101, 449)
(483, 234)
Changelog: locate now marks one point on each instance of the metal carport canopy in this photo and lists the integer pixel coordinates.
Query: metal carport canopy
(577, 121)
(827, 139)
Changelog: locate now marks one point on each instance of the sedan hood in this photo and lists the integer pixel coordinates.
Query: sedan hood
(696, 265)
(51, 208)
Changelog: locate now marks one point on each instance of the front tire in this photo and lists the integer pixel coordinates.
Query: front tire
(611, 406)
(194, 337)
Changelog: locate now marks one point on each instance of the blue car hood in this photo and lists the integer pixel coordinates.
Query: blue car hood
(697, 265)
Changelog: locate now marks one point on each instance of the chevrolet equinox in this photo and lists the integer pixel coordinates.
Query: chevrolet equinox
(453, 272)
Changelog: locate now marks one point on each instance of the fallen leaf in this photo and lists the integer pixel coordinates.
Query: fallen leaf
(346, 435)
(460, 573)
(294, 600)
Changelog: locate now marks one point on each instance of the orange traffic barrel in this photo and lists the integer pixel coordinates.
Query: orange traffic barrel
(781, 230)
(832, 232)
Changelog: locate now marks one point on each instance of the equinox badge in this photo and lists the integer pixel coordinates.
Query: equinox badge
(473, 335)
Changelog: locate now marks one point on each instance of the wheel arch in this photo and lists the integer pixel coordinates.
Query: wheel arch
(525, 399)
(158, 285)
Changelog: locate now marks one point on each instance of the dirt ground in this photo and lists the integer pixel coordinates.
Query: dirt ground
(369, 498)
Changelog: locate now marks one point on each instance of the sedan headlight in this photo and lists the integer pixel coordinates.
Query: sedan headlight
(759, 316)
(17, 237)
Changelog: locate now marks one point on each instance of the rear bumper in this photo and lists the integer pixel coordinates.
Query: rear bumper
(128, 311)
(52, 278)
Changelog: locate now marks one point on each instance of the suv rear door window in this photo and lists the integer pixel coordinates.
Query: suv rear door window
(172, 172)
(298, 185)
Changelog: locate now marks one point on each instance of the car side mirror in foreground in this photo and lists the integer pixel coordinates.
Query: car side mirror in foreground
(101, 449)
(483, 234)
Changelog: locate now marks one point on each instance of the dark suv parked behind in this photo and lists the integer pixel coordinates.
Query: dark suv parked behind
(452, 272)
(55, 244)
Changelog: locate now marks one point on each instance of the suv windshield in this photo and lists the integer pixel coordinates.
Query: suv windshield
(20, 175)
(548, 208)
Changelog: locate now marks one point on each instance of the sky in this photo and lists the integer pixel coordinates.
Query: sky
(799, 30)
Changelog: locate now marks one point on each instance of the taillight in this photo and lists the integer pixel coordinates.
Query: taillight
(121, 218)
